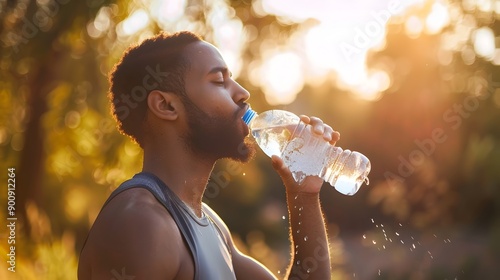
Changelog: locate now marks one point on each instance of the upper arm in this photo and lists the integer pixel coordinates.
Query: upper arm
(133, 237)
(244, 266)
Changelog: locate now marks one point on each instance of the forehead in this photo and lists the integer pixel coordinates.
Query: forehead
(203, 57)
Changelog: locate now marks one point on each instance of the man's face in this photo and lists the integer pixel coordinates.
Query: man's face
(214, 106)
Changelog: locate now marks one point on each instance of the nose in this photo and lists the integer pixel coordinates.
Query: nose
(240, 94)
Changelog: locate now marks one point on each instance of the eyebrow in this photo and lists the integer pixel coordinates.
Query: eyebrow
(221, 69)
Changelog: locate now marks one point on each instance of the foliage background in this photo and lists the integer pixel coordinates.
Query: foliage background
(431, 210)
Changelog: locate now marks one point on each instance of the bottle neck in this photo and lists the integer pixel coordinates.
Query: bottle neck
(249, 115)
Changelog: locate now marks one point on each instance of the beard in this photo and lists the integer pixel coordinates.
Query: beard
(216, 136)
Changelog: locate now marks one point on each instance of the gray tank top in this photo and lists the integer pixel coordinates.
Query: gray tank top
(208, 246)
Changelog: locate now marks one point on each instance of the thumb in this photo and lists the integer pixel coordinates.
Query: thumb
(282, 170)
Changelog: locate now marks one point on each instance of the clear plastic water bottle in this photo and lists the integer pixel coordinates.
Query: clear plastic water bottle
(281, 133)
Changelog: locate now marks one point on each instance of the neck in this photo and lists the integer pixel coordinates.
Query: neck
(182, 171)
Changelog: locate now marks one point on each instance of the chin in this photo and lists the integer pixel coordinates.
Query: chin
(245, 151)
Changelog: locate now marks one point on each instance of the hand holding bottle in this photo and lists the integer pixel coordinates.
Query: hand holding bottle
(305, 146)
(321, 129)
(311, 184)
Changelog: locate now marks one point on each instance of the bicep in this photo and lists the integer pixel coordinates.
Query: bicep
(246, 267)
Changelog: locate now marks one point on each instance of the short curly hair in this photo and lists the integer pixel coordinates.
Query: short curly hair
(157, 63)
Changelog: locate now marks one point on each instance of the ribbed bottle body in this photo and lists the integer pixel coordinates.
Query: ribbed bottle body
(305, 153)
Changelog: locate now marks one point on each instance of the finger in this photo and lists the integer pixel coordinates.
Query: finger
(318, 125)
(282, 169)
(335, 137)
(305, 119)
(279, 165)
(331, 135)
(327, 135)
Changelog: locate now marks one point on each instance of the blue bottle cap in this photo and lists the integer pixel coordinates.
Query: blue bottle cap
(249, 115)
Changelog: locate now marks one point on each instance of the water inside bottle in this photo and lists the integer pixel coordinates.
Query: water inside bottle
(307, 154)
(272, 139)
(347, 185)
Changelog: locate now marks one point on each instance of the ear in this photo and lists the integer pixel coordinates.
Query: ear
(164, 105)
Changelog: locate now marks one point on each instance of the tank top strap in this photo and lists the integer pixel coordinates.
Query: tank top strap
(147, 181)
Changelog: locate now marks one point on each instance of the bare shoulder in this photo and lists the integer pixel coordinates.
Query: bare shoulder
(134, 235)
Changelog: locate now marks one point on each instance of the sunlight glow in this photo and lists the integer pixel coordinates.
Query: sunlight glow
(484, 42)
(377, 82)
(437, 19)
(167, 12)
(281, 74)
(137, 21)
(340, 40)
(223, 29)
(496, 61)
(230, 48)
(101, 23)
(414, 27)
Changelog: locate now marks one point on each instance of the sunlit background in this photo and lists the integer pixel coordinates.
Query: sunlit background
(412, 84)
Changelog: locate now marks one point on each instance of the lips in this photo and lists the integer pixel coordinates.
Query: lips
(246, 130)
(243, 110)
(240, 114)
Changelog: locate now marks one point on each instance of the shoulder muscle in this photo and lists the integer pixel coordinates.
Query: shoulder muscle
(134, 235)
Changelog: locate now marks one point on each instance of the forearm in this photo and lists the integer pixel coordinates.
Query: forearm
(310, 250)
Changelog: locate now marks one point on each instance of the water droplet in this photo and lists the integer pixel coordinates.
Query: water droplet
(413, 246)
(379, 272)
(298, 262)
(374, 242)
(364, 236)
(400, 225)
(373, 221)
(402, 242)
(300, 223)
(390, 240)
(301, 208)
(397, 233)
(308, 270)
(381, 225)
(367, 181)
(305, 238)
(283, 217)
(383, 246)
(296, 197)
(298, 231)
(296, 246)
(279, 271)
(244, 175)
